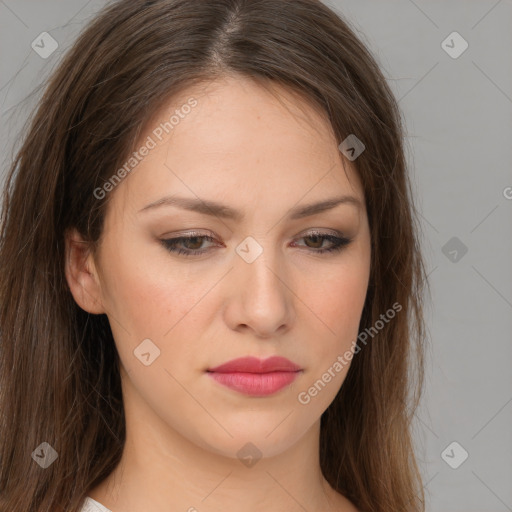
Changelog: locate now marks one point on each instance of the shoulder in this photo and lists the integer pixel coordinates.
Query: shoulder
(91, 505)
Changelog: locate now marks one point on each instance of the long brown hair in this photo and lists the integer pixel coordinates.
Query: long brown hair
(59, 380)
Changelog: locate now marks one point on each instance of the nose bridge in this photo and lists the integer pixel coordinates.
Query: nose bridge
(261, 289)
(258, 267)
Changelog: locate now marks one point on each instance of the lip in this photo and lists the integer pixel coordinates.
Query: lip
(256, 377)
(255, 365)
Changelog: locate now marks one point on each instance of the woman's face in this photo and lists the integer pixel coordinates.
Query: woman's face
(259, 287)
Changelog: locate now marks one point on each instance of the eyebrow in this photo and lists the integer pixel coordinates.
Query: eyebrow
(213, 208)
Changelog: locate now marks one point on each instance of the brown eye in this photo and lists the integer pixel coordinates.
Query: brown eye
(317, 239)
(192, 244)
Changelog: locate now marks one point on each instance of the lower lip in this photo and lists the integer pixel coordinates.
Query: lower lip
(255, 384)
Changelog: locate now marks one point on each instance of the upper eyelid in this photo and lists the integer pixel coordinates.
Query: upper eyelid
(311, 232)
(210, 234)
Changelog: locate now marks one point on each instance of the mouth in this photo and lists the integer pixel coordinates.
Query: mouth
(256, 377)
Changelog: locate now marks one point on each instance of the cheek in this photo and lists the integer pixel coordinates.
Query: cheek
(151, 298)
(141, 286)
(339, 301)
(139, 294)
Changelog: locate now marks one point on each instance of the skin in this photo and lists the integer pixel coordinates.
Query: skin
(242, 147)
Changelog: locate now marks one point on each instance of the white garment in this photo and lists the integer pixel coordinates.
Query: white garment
(91, 505)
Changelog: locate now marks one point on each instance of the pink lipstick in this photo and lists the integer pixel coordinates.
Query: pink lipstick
(256, 377)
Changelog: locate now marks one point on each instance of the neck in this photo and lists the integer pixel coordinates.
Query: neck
(161, 469)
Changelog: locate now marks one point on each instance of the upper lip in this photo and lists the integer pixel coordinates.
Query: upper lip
(255, 365)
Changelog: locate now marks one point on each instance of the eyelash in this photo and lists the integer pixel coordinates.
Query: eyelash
(170, 243)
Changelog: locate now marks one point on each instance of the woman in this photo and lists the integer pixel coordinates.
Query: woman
(211, 279)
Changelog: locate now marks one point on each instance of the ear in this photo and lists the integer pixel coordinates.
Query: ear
(81, 273)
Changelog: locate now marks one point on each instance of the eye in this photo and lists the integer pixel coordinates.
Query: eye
(194, 242)
(318, 238)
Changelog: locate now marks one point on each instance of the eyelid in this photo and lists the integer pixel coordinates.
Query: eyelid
(191, 232)
(322, 231)
(307, 232)
(339, 241)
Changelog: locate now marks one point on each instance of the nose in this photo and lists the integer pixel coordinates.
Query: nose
(260, 298)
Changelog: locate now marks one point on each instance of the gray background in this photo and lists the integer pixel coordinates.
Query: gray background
(459, 134)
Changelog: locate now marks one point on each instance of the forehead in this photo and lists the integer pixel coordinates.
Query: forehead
(240, 140)
(234, 110)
